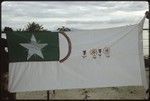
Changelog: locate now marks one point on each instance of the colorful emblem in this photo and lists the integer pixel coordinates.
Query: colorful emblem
(99, 52)
(84, 54)
(106, 51)
(93, 52)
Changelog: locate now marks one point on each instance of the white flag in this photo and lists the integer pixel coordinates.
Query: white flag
(108, 57)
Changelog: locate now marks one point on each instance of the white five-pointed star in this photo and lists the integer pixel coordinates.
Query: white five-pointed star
(34, 47)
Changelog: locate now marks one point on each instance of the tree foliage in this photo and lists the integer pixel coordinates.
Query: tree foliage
(8, 29)
(63, 29)
(32, 27)
(20, 30)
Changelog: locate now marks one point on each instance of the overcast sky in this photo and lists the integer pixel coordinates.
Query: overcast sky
(78, 15)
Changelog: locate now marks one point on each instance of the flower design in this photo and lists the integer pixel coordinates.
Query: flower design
(84, 54)
(106, 51)
(93, 52)
(100, 52)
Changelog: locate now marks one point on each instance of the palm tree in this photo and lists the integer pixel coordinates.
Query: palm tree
(32, 27)
(63, 29)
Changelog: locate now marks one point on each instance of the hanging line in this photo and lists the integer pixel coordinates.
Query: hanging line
(139, 24)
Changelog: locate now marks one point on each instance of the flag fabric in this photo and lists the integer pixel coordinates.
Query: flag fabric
(108, 57)
(33, 46)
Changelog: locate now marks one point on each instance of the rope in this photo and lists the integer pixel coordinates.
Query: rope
(136, 25)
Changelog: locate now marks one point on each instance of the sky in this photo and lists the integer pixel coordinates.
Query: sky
(77, 15)
(74, 14)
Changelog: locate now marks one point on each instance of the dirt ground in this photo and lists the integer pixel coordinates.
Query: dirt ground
(129, 92)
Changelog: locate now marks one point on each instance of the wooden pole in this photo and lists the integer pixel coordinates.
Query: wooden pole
(149, 46)
(148, 17)
(47, 95)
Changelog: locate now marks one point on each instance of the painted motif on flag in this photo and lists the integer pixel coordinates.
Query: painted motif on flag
(33, 46)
